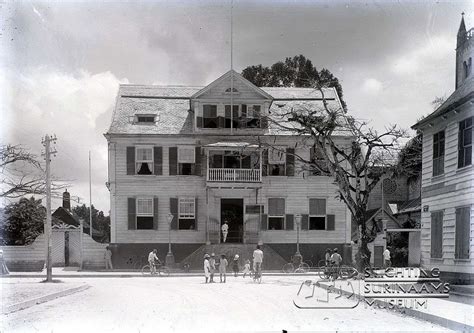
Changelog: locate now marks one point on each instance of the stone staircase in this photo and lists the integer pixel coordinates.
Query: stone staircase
(271, 259)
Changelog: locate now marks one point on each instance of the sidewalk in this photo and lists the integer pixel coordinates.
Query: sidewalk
(450, 314)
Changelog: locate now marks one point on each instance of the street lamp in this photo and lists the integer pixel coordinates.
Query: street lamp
(169, 257)
(298, 258)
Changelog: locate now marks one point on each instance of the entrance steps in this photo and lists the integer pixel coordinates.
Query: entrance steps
(271, 259)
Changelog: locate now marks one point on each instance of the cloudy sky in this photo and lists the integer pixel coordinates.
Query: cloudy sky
(61, 62)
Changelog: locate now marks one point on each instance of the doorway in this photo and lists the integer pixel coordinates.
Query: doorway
(232, 211)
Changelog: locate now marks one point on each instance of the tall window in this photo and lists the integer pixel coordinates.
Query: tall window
(187, 213)
(186, 160)
(438, 153)
(462, 233)
(251, 115)
(465, 143)
(276, 213)
(317, 214)
(209, 116)
(276, 161)
(144, 213)
(317, 158)
(437, 234)
(232, 118)
(144, 160)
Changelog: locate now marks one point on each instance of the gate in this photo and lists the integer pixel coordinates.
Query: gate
(66, 245)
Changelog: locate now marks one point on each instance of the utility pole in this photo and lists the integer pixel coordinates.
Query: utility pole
(47, 227)
(90, 196)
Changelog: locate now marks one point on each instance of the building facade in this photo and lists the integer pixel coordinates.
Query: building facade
(182, 160)
(448, 174)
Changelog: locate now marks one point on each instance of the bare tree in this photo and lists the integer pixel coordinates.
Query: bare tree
(355, 170)
(22, 174)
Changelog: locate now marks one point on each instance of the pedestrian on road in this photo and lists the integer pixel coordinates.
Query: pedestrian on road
(386, 258)
(3, 268)
(225, 231)
(223, 267)
(207, 267)
(336, 261)
(246, 268)
(108, 258)
(212, 264)
(235, 265)
(151, 260)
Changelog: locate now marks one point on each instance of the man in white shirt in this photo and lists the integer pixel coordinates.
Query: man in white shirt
(257, 258)
(151, 260)
(225, 231)
(386, 258)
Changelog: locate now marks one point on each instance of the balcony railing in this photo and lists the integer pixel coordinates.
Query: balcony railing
(233, 175)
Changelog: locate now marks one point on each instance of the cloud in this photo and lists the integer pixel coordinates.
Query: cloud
(77, 107)
(372, 86)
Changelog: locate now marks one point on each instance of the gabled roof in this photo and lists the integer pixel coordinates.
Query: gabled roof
(463, 94)
(236, 76)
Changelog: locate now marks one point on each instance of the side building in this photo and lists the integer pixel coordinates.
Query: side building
(182, 160)
(448, 174)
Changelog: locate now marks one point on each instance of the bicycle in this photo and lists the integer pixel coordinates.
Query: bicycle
(303, 267)
(160, 270)
(332, 271)
(257, 275)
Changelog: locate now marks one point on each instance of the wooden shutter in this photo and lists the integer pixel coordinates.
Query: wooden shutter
(290, 162)
(276, 206)
(155, 213)
(131, 214)
(304, 222)
(199, 122)
(221, 122)
(331, 222)
(462, 233)
(265, 162)
(174, 211)
(130, 160)
(196, 215)
(436, 234)
(173, 161)
(289, 222)
(198, 162)
(263, 122)
(158, 160)
(264, 222)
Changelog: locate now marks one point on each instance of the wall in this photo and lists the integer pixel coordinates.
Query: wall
(26, 258)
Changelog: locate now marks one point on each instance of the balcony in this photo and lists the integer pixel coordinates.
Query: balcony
(234, 175)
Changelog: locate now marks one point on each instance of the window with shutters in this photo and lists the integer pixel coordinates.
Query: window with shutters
(186, 160)
(465, 143)
(209, 119)
(462, 232)
(251, 115)
(318, 161)
(186, 213)
(317, 214)
(144, 160)
(437, 234)
(232, 118)
(276, 214)
(144, 213)
(438, 153)
(276, 161)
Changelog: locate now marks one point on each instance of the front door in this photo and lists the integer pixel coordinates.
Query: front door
(232, 211)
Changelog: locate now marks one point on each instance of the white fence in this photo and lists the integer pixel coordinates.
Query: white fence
(233, 175)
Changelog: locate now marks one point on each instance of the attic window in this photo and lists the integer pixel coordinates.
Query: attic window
(145, 118)
(234, 90)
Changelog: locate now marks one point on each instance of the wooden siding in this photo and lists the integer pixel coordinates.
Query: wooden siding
(296, 189)
(446, 192)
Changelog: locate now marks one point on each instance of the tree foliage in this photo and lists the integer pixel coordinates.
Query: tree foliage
(292, 72)
(22, 174)
(100, 222)
(357, 169)
(410, 159)
(23, 221)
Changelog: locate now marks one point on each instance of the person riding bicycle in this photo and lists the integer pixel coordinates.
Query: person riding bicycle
(257, 259)
(151, 260)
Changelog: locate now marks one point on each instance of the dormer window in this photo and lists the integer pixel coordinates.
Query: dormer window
(145, 118)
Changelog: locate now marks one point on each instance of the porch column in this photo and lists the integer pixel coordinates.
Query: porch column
(208, 242)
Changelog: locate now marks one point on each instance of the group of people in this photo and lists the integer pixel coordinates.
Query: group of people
(211, 265)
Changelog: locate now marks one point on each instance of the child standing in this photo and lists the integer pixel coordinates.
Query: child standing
(235, 265)
(223, 267)
(207, 267)
(247, 268)
(212, 264)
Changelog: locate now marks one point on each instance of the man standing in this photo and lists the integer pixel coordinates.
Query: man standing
(212, 264)
(151, 260)
(386, 258)
(257, 258)
(225, 230)
(108, 258)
